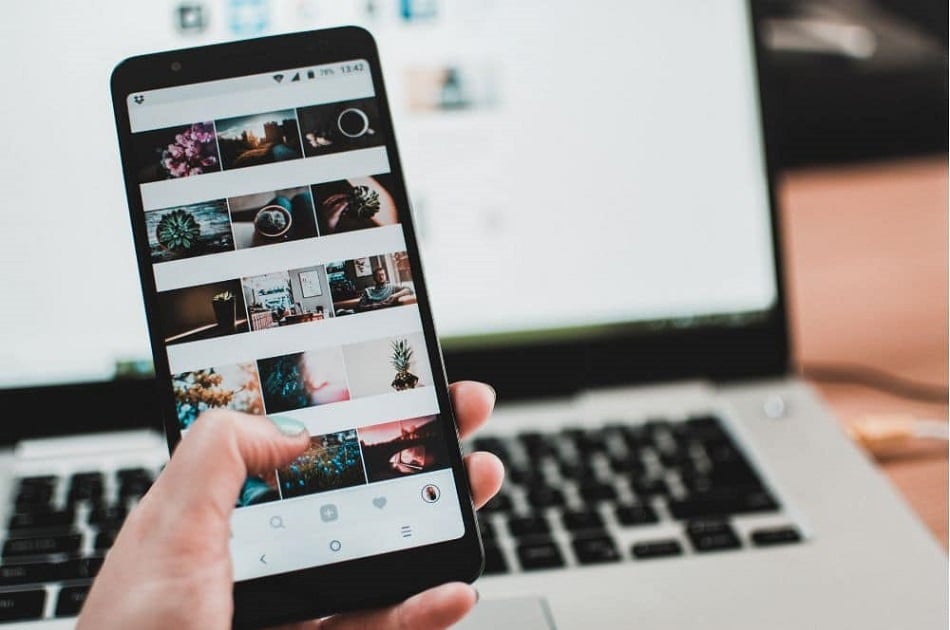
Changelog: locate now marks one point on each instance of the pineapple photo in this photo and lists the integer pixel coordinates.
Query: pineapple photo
(401, 360)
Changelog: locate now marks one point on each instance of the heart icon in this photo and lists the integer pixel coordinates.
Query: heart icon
(380, 502)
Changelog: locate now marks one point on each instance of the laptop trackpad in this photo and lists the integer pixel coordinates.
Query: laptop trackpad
(524, 613)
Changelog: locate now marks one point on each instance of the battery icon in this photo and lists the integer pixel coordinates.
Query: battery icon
(310, 74)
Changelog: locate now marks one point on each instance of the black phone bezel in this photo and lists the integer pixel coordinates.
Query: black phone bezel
(353, 584)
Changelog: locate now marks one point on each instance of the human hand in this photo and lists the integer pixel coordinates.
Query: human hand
(161, 574)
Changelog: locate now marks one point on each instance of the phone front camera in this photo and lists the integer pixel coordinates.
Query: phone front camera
(176, 66)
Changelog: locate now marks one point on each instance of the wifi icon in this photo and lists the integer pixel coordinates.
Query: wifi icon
(278, 77)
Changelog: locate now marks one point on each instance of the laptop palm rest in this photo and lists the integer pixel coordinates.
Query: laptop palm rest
(524, 613)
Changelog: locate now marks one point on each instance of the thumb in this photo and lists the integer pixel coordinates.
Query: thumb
(210, 463)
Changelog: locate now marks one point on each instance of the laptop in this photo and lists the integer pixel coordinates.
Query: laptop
(594, 193)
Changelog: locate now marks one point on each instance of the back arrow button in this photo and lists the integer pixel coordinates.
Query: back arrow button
(263, 558)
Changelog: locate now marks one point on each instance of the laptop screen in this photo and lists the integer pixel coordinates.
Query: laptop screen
(574, 167)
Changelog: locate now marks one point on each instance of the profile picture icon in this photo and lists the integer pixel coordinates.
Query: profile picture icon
(431, 493)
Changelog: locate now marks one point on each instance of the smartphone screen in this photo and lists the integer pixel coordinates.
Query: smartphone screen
(282, 278)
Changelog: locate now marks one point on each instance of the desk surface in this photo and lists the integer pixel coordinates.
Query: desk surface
(867, 283)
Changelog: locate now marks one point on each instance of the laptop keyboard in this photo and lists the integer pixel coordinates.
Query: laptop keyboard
(57, 535)
(621, 492)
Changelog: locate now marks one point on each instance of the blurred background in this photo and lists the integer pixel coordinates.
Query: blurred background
(849, 81)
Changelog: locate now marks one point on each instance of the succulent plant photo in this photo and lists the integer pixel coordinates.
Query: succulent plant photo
(178, 230)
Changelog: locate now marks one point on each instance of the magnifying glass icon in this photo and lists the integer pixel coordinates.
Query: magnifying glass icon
(277, 522)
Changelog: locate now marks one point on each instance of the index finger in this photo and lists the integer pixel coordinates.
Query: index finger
(473, 403)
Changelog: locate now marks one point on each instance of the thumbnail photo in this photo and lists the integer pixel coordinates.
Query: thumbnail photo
(355, 204)
(188, 231)
(258, 139)
(333, 461)
(442, 88)
(371, 283)
(404, 447)
(387, 365)
(258, 489)
(303, 379)
(236, 387)
(272, 217)
(175, 152)
(336, 127)
(287, 297)
(202, 312)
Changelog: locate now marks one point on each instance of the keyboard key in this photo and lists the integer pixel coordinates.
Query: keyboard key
(775, 536)
(59, 519)
(579, 471)
(722, 503)
(80, 568)
(486, 528)
(639, 514)
(39, 480)
(492, 445)
(704, 428)
(86, 486)
(587, 441)
(501, 502)
(540, 555)
(33, 573)
(636, 437)
(577, 520)
(41, 545)
(70, 600)
(712, 535)
(22, 605)
(648, 486)
(626, 464)
(524, 475)
(105, 539)
(595, 550)
(656, 549)
(134, 488)
(592, 491)
(537, 444)
(545, 496)
(522, 526)
(33, 494)
(494, 561)
(107, 516)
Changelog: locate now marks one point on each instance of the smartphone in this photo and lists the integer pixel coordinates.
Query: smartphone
(280, 274)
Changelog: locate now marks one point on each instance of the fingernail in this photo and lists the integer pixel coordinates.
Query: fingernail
(494, 394)
(288, 426)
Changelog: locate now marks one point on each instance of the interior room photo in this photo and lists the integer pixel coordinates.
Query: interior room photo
(370, 283)
(290, 297)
